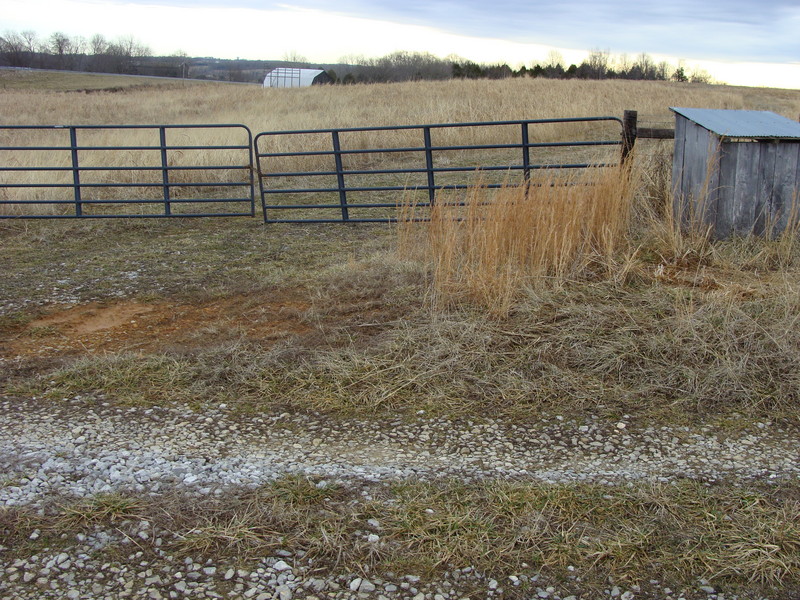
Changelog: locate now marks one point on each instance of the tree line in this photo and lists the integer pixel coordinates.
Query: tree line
(126, 55)
(75, 53)
(599, 64)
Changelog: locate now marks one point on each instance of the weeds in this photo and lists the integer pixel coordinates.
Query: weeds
(742, 538)
(102, 508)
(496, 243)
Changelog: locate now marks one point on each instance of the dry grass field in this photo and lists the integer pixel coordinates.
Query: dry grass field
(590, 304)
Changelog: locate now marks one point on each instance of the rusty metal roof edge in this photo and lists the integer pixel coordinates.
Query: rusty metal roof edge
(750, 124)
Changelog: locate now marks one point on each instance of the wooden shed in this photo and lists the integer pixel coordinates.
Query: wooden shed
(737, 171)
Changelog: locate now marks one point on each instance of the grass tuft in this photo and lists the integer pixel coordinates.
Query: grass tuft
(493, 244)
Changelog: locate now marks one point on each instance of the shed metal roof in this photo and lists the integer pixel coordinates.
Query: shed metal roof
(753, 124)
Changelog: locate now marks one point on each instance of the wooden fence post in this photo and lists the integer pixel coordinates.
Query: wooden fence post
(629, 118)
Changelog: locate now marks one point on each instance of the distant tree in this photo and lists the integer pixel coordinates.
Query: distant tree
(537, 70)
(98, 44)
(699, 76)
(295, 58)
(571, 72)
(59, 43)
(498, 72)
(467, 70)
(643, 67)
(555, 60)
(662, 70)
(12, 49)
(596, 64)
(622, 66)
(680, 75)
(31, 40)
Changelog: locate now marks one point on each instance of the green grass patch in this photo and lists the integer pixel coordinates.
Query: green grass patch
(741, 539)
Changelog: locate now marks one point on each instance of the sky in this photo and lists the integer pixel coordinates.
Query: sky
(740, 42)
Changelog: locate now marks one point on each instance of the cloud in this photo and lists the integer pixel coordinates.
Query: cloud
(715, 29)
(722, 36)
(752, 30)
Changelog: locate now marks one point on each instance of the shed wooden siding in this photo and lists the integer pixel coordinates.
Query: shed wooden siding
(736, 187)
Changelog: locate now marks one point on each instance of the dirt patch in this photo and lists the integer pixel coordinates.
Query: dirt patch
(91, 318)
(132, 325)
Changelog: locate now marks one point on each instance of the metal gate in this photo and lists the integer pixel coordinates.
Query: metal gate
(134, 171)
(364, 174)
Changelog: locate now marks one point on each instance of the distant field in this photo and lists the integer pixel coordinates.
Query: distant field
(65, 81)
(30, 97)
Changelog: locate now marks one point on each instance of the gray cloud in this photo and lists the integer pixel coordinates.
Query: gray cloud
(755, 30)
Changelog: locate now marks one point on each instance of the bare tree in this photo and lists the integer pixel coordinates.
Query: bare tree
(295, 58)
(622, 64)
(644, 67)
(597, 63)
(98, 44)
(699, 75)
(663, 70)
(32, 43)
(554, 59)
(12, 49)
(59, 44)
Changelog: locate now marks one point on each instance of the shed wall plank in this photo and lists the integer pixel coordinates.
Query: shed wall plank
(725, 225)
(746, 188)
(764, 187)
(679, 195)
(711, 186)
(787, 180)
(699, 162)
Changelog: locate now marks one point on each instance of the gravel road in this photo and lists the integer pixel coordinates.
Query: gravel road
(79, 448)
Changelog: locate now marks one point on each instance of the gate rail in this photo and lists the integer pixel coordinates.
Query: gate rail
(426, 151)
(64, 158)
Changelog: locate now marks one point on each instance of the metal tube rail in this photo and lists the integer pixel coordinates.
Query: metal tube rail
(270, 179)
(157, 156)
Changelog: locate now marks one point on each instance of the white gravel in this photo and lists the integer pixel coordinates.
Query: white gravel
(79, 448)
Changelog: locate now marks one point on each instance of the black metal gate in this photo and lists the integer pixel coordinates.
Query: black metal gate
(78, 171)
(363, 174)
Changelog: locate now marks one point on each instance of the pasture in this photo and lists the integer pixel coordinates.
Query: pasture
(609, 312)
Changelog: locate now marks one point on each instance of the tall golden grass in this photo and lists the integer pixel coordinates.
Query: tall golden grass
(494, 243)
(379, 104)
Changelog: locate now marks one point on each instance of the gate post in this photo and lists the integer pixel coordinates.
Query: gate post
(337, 157)
(426, 134)
(165, 170)
(629, 119)
(76, 171)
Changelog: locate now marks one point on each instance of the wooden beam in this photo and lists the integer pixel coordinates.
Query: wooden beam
(655, 134)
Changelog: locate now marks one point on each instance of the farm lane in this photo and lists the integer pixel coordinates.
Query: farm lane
(81, 448)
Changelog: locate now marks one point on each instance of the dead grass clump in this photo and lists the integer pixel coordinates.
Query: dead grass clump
(103, 508)
(292, 512)
(491, 245)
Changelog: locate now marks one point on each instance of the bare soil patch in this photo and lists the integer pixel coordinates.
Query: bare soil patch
(133, 325)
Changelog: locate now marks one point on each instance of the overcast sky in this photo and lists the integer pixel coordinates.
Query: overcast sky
(717, 35)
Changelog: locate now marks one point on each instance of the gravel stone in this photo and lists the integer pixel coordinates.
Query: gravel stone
(81, 447)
